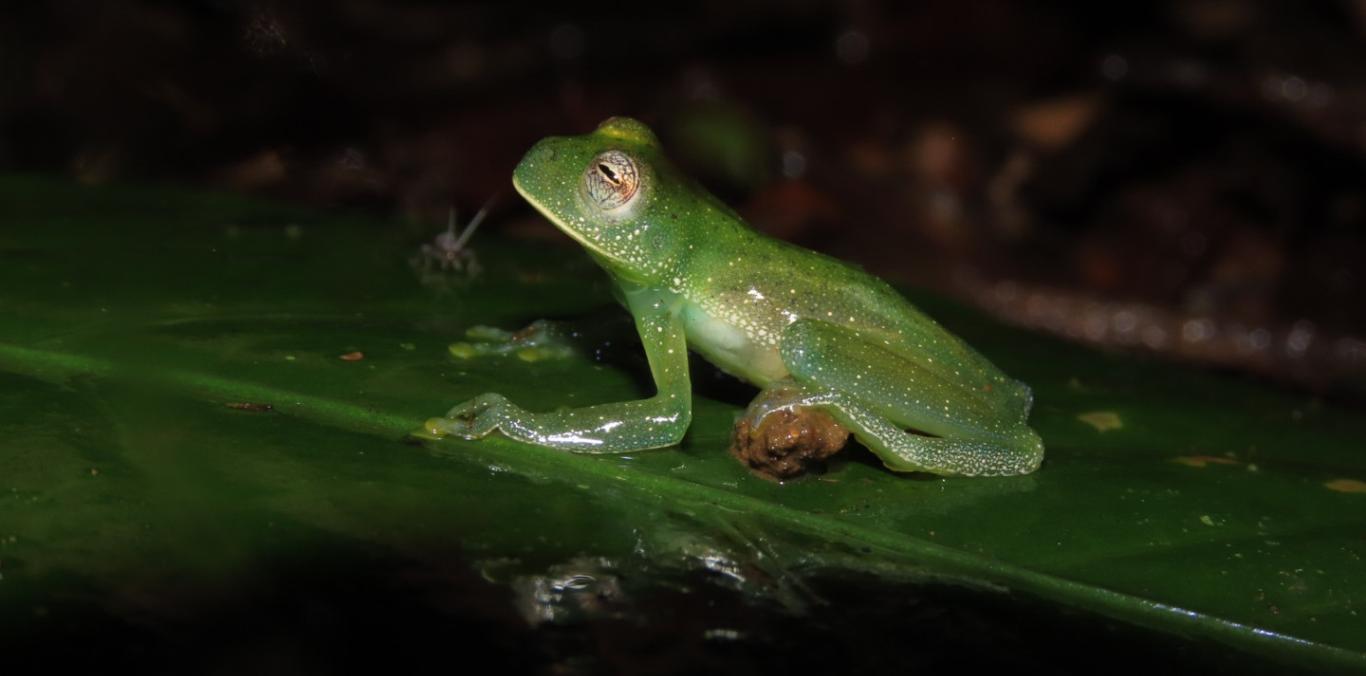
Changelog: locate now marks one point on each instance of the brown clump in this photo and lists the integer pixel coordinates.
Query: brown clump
(787, 442)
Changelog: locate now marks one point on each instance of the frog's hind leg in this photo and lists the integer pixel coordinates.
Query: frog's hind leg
(881, 394)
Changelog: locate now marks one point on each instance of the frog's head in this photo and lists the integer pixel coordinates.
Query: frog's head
(612, 190)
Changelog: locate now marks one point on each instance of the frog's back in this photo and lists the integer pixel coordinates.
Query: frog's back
(760, 287)
(763, 284)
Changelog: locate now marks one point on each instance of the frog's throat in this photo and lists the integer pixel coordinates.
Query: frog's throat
(558, 222)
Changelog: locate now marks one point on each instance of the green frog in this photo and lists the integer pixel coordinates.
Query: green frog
(812, 332)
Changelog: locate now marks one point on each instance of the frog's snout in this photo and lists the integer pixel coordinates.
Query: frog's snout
(541, 155)
(536, 162)
(543, 151)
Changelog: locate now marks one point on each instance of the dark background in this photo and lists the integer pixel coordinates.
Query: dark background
(1182, 178)
(1179, 177)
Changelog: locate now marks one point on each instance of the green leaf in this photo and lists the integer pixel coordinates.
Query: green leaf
(175, 412)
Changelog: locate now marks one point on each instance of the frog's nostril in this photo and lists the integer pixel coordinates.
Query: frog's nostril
(543, 151)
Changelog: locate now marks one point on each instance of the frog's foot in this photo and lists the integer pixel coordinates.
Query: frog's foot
(779, 437)
(475, 418)
(540, 340)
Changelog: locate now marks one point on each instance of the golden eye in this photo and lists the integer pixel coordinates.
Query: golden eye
(611, 180)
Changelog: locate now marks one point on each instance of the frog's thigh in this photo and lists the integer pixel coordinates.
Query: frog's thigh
(879, 394)
(893, 384)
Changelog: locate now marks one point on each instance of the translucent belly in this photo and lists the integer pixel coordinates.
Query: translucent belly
(731, 349)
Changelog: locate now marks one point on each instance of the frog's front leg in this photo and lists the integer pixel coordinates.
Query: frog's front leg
(622, 427)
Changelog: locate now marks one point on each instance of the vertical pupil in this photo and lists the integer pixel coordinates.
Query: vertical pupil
(607, 173)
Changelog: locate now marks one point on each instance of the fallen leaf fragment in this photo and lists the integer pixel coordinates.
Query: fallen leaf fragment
(1346, 485)
(1103, 421)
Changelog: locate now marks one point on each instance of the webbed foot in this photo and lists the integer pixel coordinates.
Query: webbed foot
(540, 340)
(475, 418)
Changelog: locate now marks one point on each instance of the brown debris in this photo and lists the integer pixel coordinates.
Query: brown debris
(787, 442)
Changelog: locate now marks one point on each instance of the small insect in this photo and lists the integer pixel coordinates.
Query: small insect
(447, 255)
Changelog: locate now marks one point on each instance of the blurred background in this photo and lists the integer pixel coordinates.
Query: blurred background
(1182, 178)
(1177, 178)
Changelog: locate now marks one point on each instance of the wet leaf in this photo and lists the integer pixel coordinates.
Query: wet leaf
(183, 401)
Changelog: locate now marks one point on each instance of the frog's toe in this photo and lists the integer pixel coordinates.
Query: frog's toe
(463, 350)
(538, 341)
(441, 427)
(469, 410)
(474, 418)
(488, 334)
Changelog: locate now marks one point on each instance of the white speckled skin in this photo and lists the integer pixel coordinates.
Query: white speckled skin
(695, 276)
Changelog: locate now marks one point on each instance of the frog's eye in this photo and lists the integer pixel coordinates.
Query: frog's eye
(611, 180)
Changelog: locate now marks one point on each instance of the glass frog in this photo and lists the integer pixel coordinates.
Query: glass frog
(810, 331)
